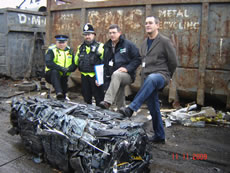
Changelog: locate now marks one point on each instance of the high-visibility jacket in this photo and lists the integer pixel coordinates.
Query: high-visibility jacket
(88, 56)
(63, 58)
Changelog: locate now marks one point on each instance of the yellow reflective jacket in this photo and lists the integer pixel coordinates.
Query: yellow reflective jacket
(88, 50)
(62, 58)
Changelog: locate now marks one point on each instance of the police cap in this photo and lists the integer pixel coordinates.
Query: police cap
(61, 38)
(88, 28)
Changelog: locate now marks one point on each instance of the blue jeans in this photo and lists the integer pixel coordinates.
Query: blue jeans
(149, 93)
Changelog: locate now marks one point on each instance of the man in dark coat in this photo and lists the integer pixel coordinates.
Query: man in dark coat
(159, 61)
(121, 59)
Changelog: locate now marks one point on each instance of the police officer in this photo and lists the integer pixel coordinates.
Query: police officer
(89, 54)
(60, 63)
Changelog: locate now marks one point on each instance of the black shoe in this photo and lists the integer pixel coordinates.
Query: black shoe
(156, 140)
(127, 112)
(60, 96)
(104, 105)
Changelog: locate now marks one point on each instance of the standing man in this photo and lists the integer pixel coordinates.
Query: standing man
(60, 63)
(121, 59)
(159, 62)
(89, 54)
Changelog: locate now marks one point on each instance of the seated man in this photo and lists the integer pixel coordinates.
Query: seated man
(60, 63)
(159, 61)
(121, 59)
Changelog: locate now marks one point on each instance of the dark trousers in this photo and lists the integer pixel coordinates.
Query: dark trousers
(59, 82)
(90, 89)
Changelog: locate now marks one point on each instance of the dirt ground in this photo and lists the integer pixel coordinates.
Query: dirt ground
(182, 152)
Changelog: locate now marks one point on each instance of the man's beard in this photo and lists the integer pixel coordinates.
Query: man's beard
(88, 42)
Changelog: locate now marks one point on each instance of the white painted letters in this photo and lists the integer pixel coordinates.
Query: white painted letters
(31, 19)
(177, 19)
(22, 18)
(36, 20)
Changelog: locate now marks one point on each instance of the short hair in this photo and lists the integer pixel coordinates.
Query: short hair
(115, 26)
(156, 19)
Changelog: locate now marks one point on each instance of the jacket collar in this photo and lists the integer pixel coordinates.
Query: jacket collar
(66, 48)
(155, 42)
(121, 40)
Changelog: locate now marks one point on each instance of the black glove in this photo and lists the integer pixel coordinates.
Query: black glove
(64, 71)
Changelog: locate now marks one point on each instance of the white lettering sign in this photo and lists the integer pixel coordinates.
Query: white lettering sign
(173, 13)
(66, 17)
(31, 19)
(22, 18)
(177, 19)
(36, 20)
(184, 25)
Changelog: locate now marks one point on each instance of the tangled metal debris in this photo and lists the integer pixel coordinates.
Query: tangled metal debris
(72, 136)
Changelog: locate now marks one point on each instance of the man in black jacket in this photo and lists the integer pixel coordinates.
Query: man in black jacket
(121, 59)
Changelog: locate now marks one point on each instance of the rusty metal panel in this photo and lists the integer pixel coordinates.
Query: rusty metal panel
(219, 37)
(216, 82)
(68, 23)
(130, 19)
(183, 82)
(217, 78)
(181, 23)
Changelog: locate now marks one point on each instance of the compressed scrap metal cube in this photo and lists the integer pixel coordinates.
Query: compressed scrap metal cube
(79, 137)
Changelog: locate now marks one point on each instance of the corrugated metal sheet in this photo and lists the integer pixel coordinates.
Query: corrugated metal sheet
(199, 29)
(21, 39)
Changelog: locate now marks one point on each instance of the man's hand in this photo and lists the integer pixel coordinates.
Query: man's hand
(122, 69)
(64, 71)
(97, 83)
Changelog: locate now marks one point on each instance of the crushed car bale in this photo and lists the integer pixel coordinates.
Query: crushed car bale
(64, 134)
